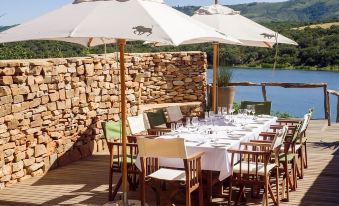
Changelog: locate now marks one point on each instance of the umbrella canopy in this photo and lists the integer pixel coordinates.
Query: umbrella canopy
(94, 22)
(230, 22)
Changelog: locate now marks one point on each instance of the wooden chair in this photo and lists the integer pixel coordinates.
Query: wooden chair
(112, 133)
(189, 179)
(287, 156)
(301, 144)
(260, 107)
(254, 167)
(174, 115)
(157, 122)
(138, 129)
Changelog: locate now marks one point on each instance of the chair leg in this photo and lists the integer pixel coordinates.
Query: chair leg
(110, 185)
(301, 163)
(188, 197)
(230, 192)
(201, 195)
(110, 178)
(295, 173)
(305, 160)
(287, 179)
(142, 190)
(266, 191)
(116, 188)
(277, 185)
(241, 192)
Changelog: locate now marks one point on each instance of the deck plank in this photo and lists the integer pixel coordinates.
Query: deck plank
(85, 182)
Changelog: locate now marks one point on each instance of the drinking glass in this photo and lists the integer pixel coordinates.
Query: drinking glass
(188, 121)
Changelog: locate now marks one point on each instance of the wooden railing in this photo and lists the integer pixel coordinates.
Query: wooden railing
(335, 93)
(326, 92)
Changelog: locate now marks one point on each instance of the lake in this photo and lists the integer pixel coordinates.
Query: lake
(294, 101)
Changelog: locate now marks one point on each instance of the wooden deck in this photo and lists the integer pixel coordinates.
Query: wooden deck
(84, 182)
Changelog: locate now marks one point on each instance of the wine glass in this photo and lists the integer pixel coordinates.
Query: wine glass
(195, 121)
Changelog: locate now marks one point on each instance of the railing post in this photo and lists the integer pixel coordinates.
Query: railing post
(328, 108)
(264, 94)
(337, 120)
(325, 102)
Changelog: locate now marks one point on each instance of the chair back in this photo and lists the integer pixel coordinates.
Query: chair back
(260, 107)
(305, 122)
(174, 113)
(112, 130)
(156, 119)
(279, 138)
(137, 124)
(171, 148)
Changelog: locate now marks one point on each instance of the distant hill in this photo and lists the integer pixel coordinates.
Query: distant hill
(293, 10)
(3, 28)
(323, 26)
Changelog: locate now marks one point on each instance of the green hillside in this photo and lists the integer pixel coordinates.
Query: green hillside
(293, 10)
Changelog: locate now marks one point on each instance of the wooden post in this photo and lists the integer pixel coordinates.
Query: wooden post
(337, 120)
(263, 89)
(214, 86)
(328, 108)
(325, 101)
(121, 43)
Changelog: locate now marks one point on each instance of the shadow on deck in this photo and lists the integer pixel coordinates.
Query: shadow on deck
(85, 182)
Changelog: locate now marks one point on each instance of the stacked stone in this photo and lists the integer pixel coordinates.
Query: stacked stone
(51, 110)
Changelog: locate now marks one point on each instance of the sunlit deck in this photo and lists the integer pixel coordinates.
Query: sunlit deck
(85, 182)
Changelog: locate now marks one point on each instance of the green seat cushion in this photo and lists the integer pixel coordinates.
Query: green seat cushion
(290, 157)
(156, 119)
(260, 107)
(130, 160)
(112, 130)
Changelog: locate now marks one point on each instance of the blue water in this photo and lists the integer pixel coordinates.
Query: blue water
(294, 101)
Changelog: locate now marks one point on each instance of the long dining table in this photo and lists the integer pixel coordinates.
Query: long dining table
(214, 136)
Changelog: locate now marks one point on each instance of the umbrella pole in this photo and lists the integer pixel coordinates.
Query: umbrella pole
(214, 86)
(121, 43)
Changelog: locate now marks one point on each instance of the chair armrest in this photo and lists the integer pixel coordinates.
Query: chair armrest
(262, 141)
(196, 155)
(288, 121)
(264, 144)
(248, 151)
(143, 136)
(159, 130)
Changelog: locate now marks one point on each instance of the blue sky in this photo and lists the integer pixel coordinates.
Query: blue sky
(19, 11)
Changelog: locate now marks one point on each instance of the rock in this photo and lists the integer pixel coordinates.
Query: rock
(5, 91)
(17, 166)
(40, 150)
(35, 167)
(18, 174)
(6, 80)
(29, 162)
(37, 173)
(54, 97)
(20, 156)
(7, 71)
(178, 83)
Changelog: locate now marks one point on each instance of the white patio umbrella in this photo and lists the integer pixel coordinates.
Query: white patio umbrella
(94, 22)
(230, 22)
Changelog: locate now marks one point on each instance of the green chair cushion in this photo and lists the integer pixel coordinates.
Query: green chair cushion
(156, 119)
(260, 107)
(129, 159)
(112, 130)
(290, 157)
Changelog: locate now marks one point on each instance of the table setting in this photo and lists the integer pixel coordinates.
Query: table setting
(214, 134)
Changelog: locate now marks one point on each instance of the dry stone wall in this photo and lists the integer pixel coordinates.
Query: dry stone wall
(51, 109)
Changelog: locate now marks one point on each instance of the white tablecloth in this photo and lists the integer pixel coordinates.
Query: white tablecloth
(215, 158)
